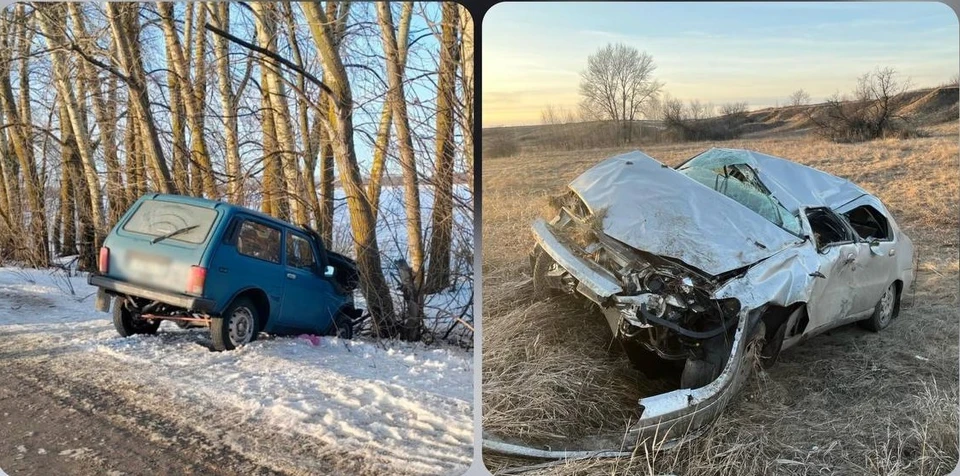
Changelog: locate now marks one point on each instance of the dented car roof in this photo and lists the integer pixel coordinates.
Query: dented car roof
(794, 185)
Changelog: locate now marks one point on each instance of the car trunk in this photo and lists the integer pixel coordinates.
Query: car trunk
(139, 253)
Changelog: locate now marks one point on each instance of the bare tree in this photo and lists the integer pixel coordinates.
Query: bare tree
(616, 84)
(869, 113)
(799, 98)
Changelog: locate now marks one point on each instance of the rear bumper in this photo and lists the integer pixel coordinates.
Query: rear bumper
(116, 287)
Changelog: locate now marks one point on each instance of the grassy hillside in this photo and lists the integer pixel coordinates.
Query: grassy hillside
(922, 108)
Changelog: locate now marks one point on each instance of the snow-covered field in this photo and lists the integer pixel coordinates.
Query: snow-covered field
(287, 403)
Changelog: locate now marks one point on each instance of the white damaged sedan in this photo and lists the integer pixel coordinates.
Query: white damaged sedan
(732, 254)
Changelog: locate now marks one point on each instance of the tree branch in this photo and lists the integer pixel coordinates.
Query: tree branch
(271, 55)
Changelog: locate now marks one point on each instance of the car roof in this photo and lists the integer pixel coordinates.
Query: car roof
(217, 204)
(793, 184)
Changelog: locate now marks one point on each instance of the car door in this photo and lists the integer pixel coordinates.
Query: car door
(837, 282)
(250, 259)
(877, 241)
(309, 299)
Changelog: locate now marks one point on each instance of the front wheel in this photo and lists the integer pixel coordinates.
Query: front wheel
(236, 327)
(127, 324)
(884, 312)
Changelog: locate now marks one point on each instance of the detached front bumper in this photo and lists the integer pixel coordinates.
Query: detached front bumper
(185, 301)
(671, 416)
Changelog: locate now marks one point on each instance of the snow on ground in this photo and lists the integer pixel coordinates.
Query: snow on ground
(407, 408)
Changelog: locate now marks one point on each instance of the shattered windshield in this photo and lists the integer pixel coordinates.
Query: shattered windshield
(727, 173)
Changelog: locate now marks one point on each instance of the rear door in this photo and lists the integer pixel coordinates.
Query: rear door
(156, 245)
(309, 299)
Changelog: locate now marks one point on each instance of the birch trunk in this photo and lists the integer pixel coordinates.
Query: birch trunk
(220, 16)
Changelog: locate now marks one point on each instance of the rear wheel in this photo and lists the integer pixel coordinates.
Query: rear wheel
(884, 311)
(128, 324)
(237, 326)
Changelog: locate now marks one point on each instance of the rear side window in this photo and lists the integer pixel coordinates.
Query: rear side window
(299, 252)
(176, 221)
(869, 223)
(259, 241)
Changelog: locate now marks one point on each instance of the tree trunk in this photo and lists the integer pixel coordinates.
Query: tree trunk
(273, 203)
(438, 271)
(21, 138)
(51, 20)
(372, 282)
(105, 114)
(382, 142)
(125, 28)
(265, 14)
(220, 16)
(180, 152)
(466, 65)
(411, 181)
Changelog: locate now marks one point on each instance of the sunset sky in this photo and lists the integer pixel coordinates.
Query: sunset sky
(716, 52)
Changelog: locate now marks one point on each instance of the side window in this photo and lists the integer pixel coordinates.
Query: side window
(299, 252)
(828, 228)
(259, 241)
(869, 223)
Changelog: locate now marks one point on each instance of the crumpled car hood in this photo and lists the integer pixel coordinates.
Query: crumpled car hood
(652, 207)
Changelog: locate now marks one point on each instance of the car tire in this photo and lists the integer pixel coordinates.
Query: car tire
(238, 326)
(342, 325)
(127, 324)
(700, 372)
(541, 264)
(885, 311)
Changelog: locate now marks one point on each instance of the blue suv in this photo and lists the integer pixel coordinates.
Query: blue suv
(203, 263)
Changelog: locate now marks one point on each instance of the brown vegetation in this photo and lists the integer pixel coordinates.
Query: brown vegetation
(848, 402)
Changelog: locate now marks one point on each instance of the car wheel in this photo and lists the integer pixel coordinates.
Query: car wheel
(542, 263)
(237, 326)
(127, 324)
(342, 325)
(884, 312)
(700, 372)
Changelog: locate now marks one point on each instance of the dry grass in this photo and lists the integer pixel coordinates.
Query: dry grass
(849, 402)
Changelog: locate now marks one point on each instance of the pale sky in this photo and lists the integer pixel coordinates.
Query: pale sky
(715, 52)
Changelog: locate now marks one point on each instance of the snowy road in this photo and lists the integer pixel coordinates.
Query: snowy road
(278, 405)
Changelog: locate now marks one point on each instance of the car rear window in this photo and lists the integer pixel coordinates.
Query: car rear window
(158, 218)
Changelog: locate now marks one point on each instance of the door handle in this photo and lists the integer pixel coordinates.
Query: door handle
(892, 252)
(291, 276)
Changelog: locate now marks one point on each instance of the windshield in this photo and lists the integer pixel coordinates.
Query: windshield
(721, 172)
(172, 221)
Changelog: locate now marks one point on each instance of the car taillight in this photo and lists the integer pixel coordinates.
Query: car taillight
(198, 274)
(103, 264)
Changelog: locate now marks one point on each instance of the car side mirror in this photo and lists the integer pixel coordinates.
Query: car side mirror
(875, 246)
(328, 272)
